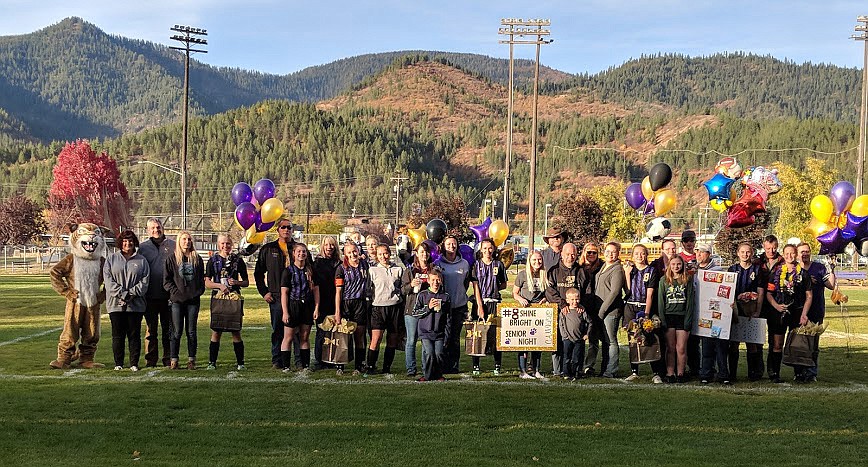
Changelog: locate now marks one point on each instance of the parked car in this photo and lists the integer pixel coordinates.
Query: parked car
(520, 256)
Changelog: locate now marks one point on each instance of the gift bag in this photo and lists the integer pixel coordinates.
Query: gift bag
(646, 351)
(226, 313)
(338, 341)
(799, 349)
(478, 340)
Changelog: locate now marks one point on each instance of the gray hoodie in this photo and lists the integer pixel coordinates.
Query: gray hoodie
(456, 277)
(126, 282)
(610, 287)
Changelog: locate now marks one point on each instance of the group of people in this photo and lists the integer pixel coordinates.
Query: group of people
(162, 280)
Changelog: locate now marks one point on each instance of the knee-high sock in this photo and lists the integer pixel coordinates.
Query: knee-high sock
(213, 350)
(239, 352)
(360, 360)
(372, 358)
(286, 357)
(388, 358)
(305, 358)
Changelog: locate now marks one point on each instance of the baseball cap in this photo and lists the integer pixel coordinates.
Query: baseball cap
(688, 235)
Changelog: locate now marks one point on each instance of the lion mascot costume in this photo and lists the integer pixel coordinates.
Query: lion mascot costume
(78, 277)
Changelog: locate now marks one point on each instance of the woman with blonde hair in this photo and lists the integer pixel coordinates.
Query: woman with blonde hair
(226, 273)
(530, 288)
(324, 266)
(676, 300)
(184, 279)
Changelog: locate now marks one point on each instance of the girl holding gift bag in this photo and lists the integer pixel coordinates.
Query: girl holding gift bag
(225, 274)
(351, 292)
(488, 277)
(299, 295)
(789, 293)
(642, 281)
(677, 300)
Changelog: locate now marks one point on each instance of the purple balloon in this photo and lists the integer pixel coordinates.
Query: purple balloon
(634, 195)
(432, 247)
(466, 252)
(842, 194)
(246, 215)
(832, 242)
(649, 207)
(241, 193)
(481, 231)
(263, 190)
(260, 227)
(718, 186)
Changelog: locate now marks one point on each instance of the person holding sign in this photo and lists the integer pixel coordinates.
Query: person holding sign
(749, 294)
(530, 288)
(642, 280)
(488, 278)
(432, 309)
(609, 288)
(715, 352)
(574, 326)
(789, 293)
(677, 300)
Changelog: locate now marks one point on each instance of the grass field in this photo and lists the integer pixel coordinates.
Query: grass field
(263, 417)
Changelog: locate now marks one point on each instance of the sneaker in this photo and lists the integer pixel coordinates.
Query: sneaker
(240, 367)
(657, 379)
(811, 379)
(275, 366)
(151, 365)
(670, 379)
(134, 368)
(497, 370)
(567, 378)
(704, 381)
(119, 368)
(727, 382)
(411, 374)
(632, 377)
(441, 379)
(173, 365)
(680, 379)
(589, 372)
(477, 371)
(211, 366)
(540, 376)
(421, 380)
(356, 372)
(339, 372)
(525, 376)
(288, 370)
(191, 365)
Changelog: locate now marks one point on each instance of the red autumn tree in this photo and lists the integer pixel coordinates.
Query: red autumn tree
(87, 188)
(20, 221)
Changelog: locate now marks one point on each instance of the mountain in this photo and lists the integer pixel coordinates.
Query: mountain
(71, 80)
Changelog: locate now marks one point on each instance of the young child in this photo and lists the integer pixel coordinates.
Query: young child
(574, 326)
(431, 308)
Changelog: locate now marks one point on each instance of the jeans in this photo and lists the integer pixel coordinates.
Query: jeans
(609, 365)
(535, 362)
(714, 351)
(158, 318)
(184, 316)
(694, 354)
(557, 358)
(432, 359)
(454, 326)
(412, 325)
(574, 356)
(593, 345)
(126, 326)
(276, 310)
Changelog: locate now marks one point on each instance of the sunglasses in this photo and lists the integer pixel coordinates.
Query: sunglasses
(284, 227)
(591, 252)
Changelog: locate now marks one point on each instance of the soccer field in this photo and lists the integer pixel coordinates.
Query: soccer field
(263, 417)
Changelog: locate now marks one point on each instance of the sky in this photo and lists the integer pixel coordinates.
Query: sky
(285, 36)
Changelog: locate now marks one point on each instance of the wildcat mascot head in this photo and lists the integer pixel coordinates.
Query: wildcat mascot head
(87, 241)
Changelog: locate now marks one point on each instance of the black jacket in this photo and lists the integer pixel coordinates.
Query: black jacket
(270, 265)
(562, 278)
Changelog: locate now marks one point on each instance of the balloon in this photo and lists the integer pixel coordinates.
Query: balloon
(432, 247)
(855, 227)
(647, 191)
(416, 236)
(263, 226)
(742, 211)
(860, 206)
(649, 207)
(843, 194)
(818, 227)
(718, 187)
(271, 210)
(718, 205)
(822, 208)
(507, 257)
(466, 252)
(241, 193)
(664, 201)
(728, 167)
(862, 246)
(436, 230)
(660, 175)
(263, 190)
(634, 195)
(498, 231)
(832, 242)
(246, 215)
(481, 231)
(253, 237)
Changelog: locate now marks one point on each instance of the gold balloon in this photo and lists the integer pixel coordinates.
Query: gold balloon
(507, 257)
(417, 236)
(718, 205)
(271, 210)
(860, 206)
(253, 237)
(498, 231)
(817, 228)
(664, 201)
(647, 192)
(235, 220)
(822, 208)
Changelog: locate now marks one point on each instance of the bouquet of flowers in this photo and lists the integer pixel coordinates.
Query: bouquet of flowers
(641, 328)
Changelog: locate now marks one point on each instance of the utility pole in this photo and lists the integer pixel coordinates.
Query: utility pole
(307, 224)
(537, 29)
(862, 29)
(510, 31)
(397, 189)
(186, 37)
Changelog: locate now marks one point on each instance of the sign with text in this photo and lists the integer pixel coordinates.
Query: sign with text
(523, 329)
(716, 292)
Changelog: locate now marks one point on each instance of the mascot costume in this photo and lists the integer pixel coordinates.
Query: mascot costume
(78, 277)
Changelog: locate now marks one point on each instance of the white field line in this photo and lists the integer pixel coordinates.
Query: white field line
(843, 335)
(239, 378)
(24, 338)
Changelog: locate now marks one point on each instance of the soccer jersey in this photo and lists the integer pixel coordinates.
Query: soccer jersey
(352, 280)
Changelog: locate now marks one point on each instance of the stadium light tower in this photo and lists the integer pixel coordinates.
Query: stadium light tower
(862, 30)
(187, 36)
(538, 32)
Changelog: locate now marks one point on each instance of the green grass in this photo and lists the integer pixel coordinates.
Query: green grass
(263, 417)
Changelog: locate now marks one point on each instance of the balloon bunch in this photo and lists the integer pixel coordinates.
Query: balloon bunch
(839, 219)
(431, 234)
(498, 231)
(256, 209)
(759, 183)
(721, 187)
(651, 195)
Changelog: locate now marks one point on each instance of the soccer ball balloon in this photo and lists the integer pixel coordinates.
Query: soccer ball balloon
(658, 229)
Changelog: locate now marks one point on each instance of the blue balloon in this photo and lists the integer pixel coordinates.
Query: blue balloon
(856, 228)
(832, 242)
(718, 186)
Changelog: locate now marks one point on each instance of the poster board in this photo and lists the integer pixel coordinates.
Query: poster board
(524, 329)
(716, 294)
(749, 330)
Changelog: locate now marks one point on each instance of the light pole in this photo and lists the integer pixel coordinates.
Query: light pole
(485, 208)
(863, 114)
(546, 228)
(186, 37)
